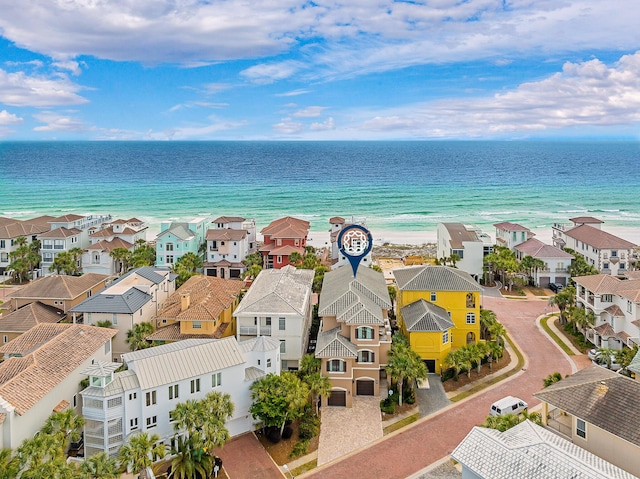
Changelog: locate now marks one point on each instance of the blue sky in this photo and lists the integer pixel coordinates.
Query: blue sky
(323, 70)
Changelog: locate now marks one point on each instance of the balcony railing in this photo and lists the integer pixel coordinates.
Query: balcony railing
(253, 330)
(559, 422)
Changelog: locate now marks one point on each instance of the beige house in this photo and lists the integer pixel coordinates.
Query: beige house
(355, 335)
(597, 410)
(14, 324)
(12, 229)
(41, 373)
(60, 291)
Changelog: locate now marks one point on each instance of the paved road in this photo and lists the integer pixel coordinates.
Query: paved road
(408, 451)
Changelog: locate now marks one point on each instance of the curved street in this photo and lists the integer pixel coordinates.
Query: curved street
(409, 450)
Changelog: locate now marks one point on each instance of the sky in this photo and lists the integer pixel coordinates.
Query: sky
(319, 70)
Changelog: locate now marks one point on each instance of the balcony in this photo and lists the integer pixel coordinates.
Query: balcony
(559, 422)
(253, 330)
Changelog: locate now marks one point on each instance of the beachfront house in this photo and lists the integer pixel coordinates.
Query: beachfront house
(528, 451)
(556, 262)
(202, 308)
(117, 405)
(229, 242)
(178, 238)
(60, 291)
(442, 308)
(41, 373)
(355, 334)
(595, 409)
(12, 229)
(608, 253)
(279, 305)
(337, 258)
(510, 235)
(281, 238)
(463, 246)
(133, 298)
(615, 304)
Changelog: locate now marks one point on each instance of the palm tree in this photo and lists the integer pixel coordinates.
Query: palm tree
(136, 337)
(502, 423)
(552, 379)
(143, 254)
(9, 465)
(188, 416)
(494, 350)
(487, 318)
(122, 257)
(564, 300)
(65, 426)
(76, 255)
(626, 355)
(319, 385)
(309, 364)
(141, 451)
(38, 450)
(218, 408)
(497, 332)
(186, 267)
(605, 357)
(477, 352)
(404, 364)
(100, 466)
(63, 263)
(190, 460)
(295, 258)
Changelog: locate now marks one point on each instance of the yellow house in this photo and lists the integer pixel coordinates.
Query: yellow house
(427, 295)
(201, 308)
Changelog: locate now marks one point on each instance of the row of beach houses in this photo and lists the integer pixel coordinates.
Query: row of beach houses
(217, 335)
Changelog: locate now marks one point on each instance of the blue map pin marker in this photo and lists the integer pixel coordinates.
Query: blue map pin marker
(355, 242)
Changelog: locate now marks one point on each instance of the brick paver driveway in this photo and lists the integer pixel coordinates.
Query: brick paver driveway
(408, 451)
(244, 458)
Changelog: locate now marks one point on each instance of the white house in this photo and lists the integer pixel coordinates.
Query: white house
(178, 238)
(511, 235)
(337, 258)
(608, 253)
(616, 305)
(116, 405)
(229, 242)
(41, 373)
(279, 304)
(468, 242)
(133, 298)
(556, 262)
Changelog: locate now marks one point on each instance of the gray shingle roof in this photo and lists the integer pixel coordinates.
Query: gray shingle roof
(278, 291)
(181, 360)
(128, 302)
(154, 275)
(528, 451)
(331, 344)
(600, 397)
(422, 316)
(179, 230)
(340, 289)
(434, 278)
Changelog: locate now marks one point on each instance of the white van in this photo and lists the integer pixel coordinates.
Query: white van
(508, 405)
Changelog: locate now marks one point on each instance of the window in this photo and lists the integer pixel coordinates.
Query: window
(629, 306)
(366, 356)
(133, 396)
(336, 366)
(5, 339)
(471, 301)
(171, 417)
(151, 398)
(196, 324)
(173, 391)
(268, 321)
(169, 259)
(152, 422)
(605, 265)
(471, 318)
(95, 258)
(515, 236)
(282, 325)
(114, 319)
(433, 296)
(4, 257)
(2, 243)
(107, 347)
(283, 346)
(169, 247)
(445, 337)
(614, 254)
(216, 379)
(622, 265)
(279, 259)
(364, 332)
(607, 298)
(268, 362)
(75, 400)
(195, 386)
(581, 428)
(133, 424)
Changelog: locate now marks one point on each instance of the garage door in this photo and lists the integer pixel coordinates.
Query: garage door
(338, 398)
(544, 281)
(364, 387)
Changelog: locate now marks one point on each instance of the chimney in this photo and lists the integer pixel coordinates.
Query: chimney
(185, 301)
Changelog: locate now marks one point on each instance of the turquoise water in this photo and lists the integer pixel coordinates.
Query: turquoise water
(396, 186)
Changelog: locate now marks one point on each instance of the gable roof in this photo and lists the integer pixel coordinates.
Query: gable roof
(227, 234)
(529, 451)
(208, 297)
(127, 302)
(109, 246)
(585, 219)
(229, 219)
(506, 226)
(537, 249)
(599, 397)
(66, 218)
(12, 228)
(59, 286)
(434, 278)
(179, 230)
(51, 353)
(29, 316)
(61, 232)
(331, 344)
(278, 291)
(181, 360)
(598, 238)
(422, 316)
(287, 227)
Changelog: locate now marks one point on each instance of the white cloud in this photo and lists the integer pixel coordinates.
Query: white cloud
(70, 65)
(270, 72)
(57, 122)
(287, 126)
(197, 104)
(33, 63)
(7, 118)
(587, 94)
(213, 88)
(328, 124)
(20, 89)
(309, 112)
(293, 93)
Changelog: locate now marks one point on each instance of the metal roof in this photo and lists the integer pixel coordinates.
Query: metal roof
(128, 302)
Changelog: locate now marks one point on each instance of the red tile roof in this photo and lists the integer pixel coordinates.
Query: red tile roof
(597, 238)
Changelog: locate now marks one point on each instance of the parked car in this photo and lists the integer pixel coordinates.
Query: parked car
(556, 287)
(592, 353)
(600, 360)
(508, 405)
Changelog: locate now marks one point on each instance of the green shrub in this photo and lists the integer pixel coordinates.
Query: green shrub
(388, 406)
(309, 427)
(300, 448)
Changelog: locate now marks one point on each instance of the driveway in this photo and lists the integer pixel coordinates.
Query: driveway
(244, 457)
(409, 450)
(433, 398)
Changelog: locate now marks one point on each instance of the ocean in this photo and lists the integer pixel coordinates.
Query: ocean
(402, 190)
